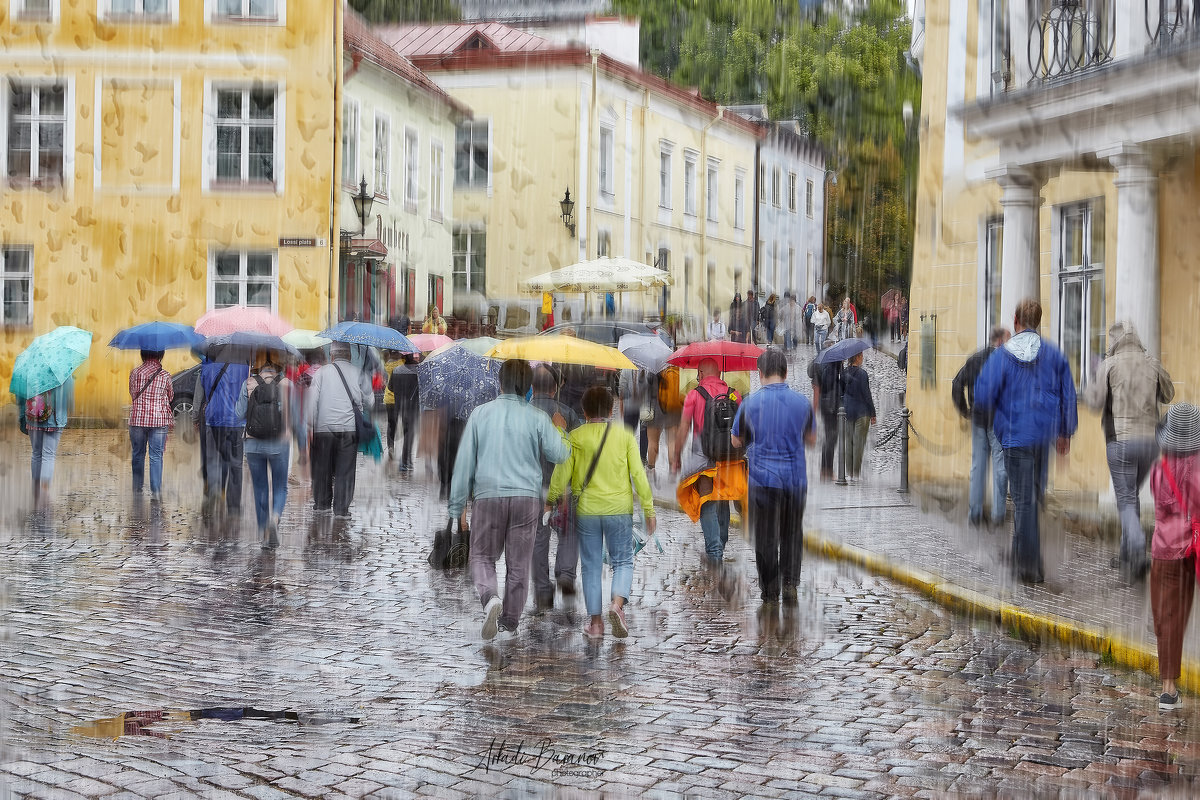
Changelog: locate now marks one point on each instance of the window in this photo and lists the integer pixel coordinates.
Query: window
(472, 165)
(712, 197)
(791, 273)
(246, 135)
(1081, 287)
(993, 260)
(350, 143)
(808, 198)
(739, 200)
(35, 9)
(664, 178)
(603, 243)
(792, 192)
(383, 133)
(248, 9)
(139, 8)
(36, 129)
(775, 188)
(16, 285)
(412, 169)
(240, 277)
(762, 183)
(606, 161)
(436, 174)
(470, 254)
(994, 14)
(689, 184)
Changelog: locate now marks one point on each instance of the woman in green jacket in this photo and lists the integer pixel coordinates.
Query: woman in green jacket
(603, 464)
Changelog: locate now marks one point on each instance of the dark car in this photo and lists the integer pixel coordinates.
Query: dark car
(183, 384)
(609, 332)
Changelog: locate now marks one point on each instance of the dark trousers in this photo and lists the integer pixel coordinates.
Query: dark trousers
(452, 431)
(1026, 468)
(829, 430)
(633, 421)
(223, 453)
(404, 417)
(1172, 586)
(334, 458)
(566, 559)
(777, 519)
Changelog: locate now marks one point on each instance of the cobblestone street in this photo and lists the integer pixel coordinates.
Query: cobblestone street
(865, 690)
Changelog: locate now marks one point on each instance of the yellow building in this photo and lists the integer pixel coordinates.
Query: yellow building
(1059, 171)
(163, 158)
(655, 172)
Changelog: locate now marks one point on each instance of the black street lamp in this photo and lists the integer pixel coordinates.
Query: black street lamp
(362, 205)
(567, 206)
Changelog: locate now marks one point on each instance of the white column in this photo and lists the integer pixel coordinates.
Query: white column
(1137, 289)
(1020, 269)
(1131, 36)
(1019, 33)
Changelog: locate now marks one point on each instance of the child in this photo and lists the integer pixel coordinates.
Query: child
(1175, 484)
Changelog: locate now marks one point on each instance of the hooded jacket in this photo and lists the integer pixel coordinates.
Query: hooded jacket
(1129, 387)
(1027, 384)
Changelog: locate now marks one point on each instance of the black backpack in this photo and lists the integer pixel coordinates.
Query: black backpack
(716, 439)
(264, 410)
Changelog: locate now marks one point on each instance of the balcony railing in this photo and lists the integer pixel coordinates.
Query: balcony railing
(1170, 21)
(1071, 36)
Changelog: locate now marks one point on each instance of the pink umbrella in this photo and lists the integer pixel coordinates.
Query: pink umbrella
(428, 342)
(241, 319)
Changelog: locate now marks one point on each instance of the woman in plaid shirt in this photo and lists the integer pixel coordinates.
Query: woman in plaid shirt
(149, 419)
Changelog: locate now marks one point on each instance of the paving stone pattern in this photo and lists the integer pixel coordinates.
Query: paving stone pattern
(865, 690)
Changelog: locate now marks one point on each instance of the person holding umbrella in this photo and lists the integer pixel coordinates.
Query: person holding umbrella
(265, 405)
(217, 388)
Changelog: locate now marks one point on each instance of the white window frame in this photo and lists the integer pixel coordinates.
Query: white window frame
(792, 192)
(665, 151)
(351, 142)
(776, 187)
(34, 180)
(213, 15)
(383, 177)
(138, 15)
(210, 180)
(1089, 275)
(689, 182)
(17, 11)
(991, 261)
(24, 275)
(603, 242)
(412, 169)
(471, 232)
(437, 180)
(809, 197)
(607, 157)
(472, 181)
(712, 190)
(242, 278)
(739, 200)
(762, 183)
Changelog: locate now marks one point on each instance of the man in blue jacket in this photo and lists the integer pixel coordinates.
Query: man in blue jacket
(217, 389)
(1027, 384)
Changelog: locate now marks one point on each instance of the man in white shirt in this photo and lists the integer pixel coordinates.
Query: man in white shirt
(716, 328)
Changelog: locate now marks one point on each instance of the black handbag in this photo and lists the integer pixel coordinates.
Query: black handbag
(364, 430)
(451, 547)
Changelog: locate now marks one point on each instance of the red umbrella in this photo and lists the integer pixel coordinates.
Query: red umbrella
(732, 356)
(241, 319)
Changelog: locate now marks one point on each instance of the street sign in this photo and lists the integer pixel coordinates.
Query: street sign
(300, 241)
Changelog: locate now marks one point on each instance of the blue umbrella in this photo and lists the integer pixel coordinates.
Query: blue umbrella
(458, 380)
(156, 336)
(840, 351)
(49, 360)
(368, 333)
(243, 346)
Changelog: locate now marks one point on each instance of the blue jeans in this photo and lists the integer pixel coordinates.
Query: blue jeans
(789, 339)
(714, 522)
(1129, 462)
(45, 448)
(139, 438)
(822, 335)
(1026, 468)
(259, 460)
(615, 532)
(985, 445)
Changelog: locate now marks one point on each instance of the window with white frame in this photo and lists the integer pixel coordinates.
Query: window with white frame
(436, 175)
(37, 124)
(994, 61)
(775, 187)
(689, 183)
(1081, 287)
(412, 169)
(35, 9)
(247, 135)
(603, 243)
(16, 286)
(470, 259)
(712, 197)
(242, 277)
(664, 177)
(153, 9)
(792, 192)
(350, 143)
(739, 200)
(808, 198)
(993, 259)
(472, 163)
(250, 10)
(383, 151)
(606, 160)
(762, 182)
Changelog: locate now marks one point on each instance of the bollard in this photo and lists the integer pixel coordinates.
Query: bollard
(905, 413)
(841, 445)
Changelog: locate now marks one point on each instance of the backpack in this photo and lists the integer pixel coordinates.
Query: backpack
(38, 408)
(264, 410)
(668, 391)
(716, 438)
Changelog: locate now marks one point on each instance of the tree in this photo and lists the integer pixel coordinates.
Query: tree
(385, 11)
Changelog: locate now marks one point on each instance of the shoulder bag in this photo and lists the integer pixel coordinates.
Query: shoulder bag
(364, 430)
(1193, 549)
(588, 477)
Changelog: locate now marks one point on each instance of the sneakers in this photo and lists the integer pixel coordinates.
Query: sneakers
(505, 634)
(616, 618)
(491, 613)
(790, 598)
(1169, 702)
(594, 630)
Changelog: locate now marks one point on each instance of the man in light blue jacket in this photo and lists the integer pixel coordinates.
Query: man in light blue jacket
(499, 466)
(1028, 384)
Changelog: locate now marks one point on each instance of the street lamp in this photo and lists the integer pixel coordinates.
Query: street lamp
(567, 206)
(362, 205)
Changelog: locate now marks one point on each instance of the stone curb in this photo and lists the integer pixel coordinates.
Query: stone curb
(1018, 621)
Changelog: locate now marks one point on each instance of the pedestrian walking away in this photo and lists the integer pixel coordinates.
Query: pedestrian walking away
(1027, 383)
(150, 419)
(1175, 485)
(769, 318)
(750, 318)
(560, 523)
(265, 406)
(860, 413)
(499, 467)
(330, 409)
(1128, 389)
(826, 380)
(217, 388)
(985, 444)
(774, 424)
(666, 404)
(600, 470)
(810, 308)
(43, 418)
(404, 387)
(735, 318)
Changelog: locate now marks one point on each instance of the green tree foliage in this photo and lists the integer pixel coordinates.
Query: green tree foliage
(385, 11)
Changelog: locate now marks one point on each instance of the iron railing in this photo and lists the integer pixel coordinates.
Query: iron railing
(1071, 36)
(1170, 21)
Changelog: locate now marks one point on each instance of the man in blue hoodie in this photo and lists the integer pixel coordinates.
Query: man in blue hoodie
(217, 389)
(1027, 384)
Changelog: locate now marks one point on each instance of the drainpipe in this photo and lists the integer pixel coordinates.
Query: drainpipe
(335, 239)
(642, 182)
(594, 127)
(704, 208)
(757, 194)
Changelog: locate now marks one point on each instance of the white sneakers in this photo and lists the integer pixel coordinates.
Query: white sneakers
(491, 614)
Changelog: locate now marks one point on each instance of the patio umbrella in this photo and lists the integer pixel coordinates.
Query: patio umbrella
(243, 348)
(561, 350)
(599, 275)
(646, 350)
(842, 350)
(457, 380)
(480, 345)
(156, 336)
(370, 334)
(49, 360)
(303, 339)
(428, 342)
(731, 356)
(241, 318)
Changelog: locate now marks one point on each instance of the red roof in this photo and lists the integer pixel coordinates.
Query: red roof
(361, 43)
(422, 40)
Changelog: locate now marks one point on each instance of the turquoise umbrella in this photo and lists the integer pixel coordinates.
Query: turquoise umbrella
(49, 361)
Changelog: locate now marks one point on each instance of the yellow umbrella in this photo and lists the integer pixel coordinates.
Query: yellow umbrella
(561, 350)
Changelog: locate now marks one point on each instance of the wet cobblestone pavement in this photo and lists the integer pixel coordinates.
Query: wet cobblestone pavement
(865, 690)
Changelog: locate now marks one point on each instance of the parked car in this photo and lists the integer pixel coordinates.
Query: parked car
(609, 331)
(183, 384)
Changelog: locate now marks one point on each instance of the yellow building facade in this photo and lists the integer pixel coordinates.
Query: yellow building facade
(1059, 174)
(163, 158)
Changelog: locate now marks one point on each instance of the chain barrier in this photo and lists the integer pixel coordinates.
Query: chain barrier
(881, 442)
(937, 450)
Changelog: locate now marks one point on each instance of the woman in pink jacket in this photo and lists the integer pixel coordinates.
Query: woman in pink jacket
(1175, 483)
